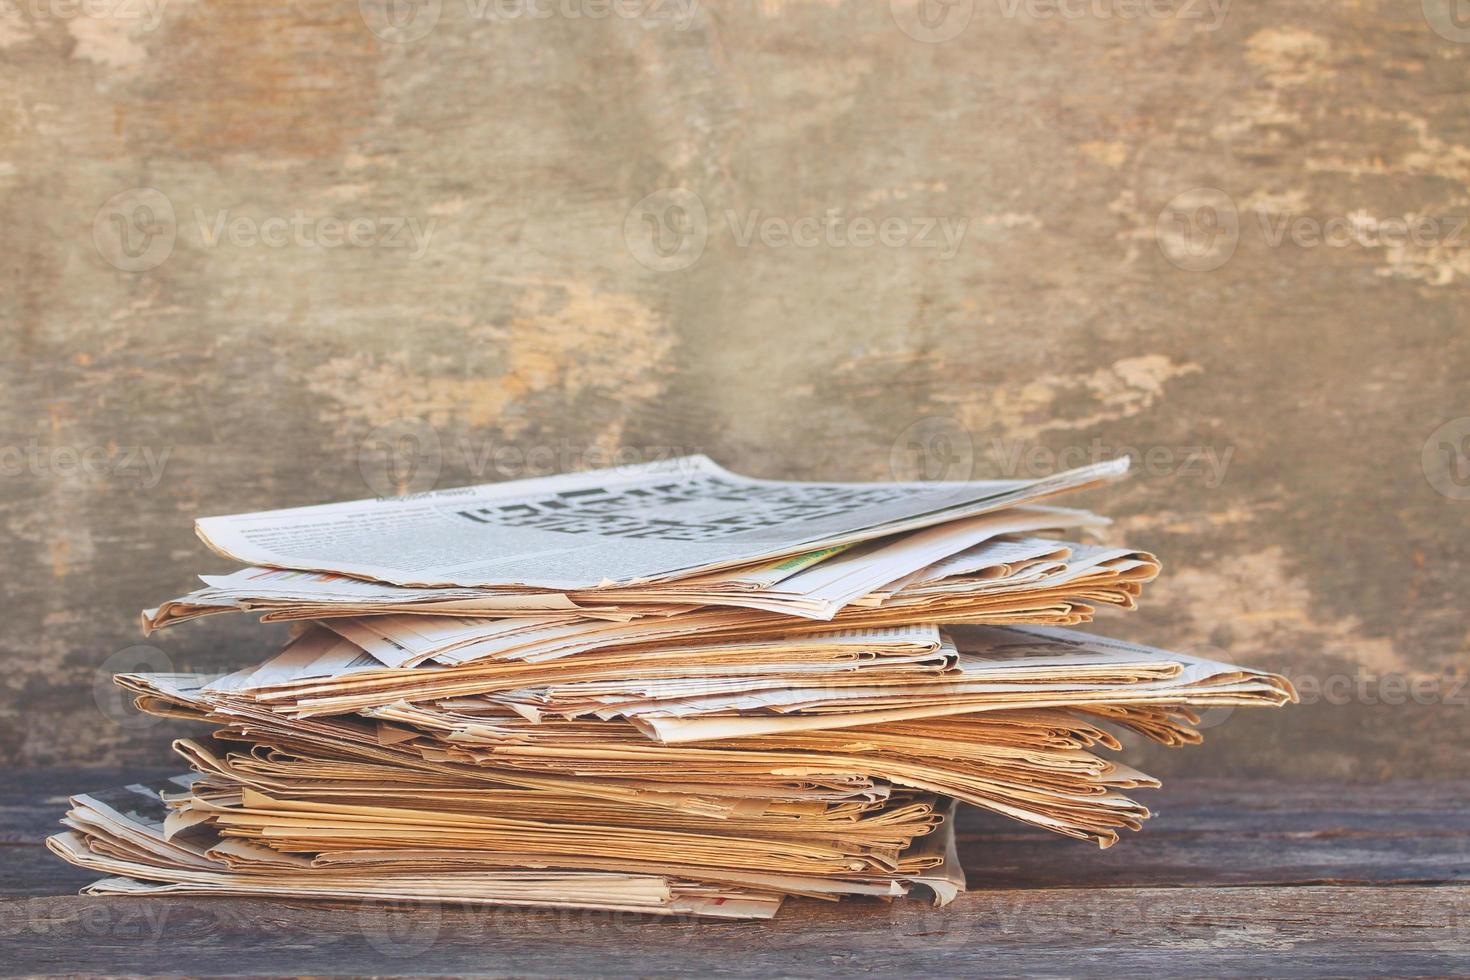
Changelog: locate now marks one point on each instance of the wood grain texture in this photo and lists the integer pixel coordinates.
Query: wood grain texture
(1281, 879)
(1282, 932)
(206, 347)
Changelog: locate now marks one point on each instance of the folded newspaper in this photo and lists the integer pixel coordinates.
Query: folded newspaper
(666, 689)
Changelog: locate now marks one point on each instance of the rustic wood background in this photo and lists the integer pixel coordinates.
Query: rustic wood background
(252, 250)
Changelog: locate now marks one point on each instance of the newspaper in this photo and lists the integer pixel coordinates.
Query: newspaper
(998, 668)
(665, 688)
(1028, 764)
(129, 834)
(813, 584)
(606, 528)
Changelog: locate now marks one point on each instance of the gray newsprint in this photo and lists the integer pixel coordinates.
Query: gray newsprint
(606, 528)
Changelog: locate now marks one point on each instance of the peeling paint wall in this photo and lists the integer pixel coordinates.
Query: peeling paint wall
(813, 239)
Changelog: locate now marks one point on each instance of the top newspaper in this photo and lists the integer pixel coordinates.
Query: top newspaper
(605, 528)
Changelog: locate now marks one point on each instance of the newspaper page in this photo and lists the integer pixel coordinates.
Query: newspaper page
(606, 528)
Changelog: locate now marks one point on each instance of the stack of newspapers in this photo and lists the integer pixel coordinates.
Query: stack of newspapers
(664, 688)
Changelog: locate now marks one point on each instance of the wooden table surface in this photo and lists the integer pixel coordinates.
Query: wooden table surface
(1252, 878)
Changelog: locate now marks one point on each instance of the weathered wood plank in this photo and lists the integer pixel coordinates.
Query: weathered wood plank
(1219, 832)
(1218, 860)
(1316, 931)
